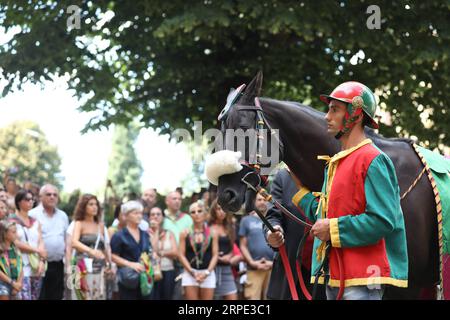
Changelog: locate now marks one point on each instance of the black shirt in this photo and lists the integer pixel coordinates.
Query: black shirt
(224, 246)
(205, 259)
(124, 245)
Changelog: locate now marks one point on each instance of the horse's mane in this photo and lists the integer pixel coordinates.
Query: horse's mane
(295, 105)
(375, 136)
(319, 114)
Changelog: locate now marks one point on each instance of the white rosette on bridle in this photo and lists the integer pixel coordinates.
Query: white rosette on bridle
(220, 163)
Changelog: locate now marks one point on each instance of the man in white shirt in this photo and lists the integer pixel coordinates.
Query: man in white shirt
(54, 224)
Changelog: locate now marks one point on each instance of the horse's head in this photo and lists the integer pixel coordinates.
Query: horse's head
(241, 113)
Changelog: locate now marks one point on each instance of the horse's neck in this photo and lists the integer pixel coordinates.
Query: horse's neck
(304, 135)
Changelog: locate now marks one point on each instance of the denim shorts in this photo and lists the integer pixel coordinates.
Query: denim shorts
(356, 293)
(225, 283)
(5, 289)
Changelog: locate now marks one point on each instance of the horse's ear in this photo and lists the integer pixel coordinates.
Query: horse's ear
(258, 83)
(253, 89)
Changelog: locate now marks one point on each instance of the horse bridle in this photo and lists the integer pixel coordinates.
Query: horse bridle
(255, 169)
(260, 124)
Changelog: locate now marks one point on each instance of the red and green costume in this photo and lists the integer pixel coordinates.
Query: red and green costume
(361, 198)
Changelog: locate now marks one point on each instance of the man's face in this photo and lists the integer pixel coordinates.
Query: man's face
(173, 201)
(11, 187)
(50, 197)
(261, 204)
(149, 196)
(3, 195)
(335, 117)
(27, 185)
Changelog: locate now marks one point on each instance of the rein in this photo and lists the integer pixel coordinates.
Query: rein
(324, 267)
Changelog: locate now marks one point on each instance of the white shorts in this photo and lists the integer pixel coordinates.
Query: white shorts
(188, 280)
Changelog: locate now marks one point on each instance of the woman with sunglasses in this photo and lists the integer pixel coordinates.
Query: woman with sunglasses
(165, 250)
(30, 243)
(199, 252)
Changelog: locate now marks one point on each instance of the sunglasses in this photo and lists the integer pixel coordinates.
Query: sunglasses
(196, 212)
(28, 199)
(51, 194)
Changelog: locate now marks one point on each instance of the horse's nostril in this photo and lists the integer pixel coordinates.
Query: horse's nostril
(229, 195)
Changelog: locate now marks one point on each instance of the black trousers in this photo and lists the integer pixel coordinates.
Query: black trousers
(131, 294)
(163, 289)
(53, 284)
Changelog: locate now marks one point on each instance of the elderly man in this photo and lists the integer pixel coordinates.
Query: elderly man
(54, 223)
(176, 221)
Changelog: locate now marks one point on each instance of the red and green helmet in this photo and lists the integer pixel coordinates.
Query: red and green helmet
(358, 98)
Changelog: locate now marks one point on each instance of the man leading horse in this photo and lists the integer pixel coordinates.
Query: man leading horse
(358, 217)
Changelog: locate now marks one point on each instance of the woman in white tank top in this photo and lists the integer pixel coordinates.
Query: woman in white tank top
(165, 250)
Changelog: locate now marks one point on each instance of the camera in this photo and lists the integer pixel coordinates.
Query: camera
(13, 170)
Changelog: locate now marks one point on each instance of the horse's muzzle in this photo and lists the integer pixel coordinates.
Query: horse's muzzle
(229, 201)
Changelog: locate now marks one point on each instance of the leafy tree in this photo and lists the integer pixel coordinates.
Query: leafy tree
(172, 62)
(69, 201)
(25, 154)
(125, 170)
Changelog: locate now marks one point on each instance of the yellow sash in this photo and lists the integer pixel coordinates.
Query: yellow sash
(332, 163)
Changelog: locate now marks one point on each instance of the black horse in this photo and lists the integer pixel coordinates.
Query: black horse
(303, 133)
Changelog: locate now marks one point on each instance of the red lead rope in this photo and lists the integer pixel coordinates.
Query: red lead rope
(282, 248)
(302, 281)
(288, 272)
(287, 266)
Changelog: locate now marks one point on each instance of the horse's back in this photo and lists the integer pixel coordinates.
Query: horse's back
(419, 214)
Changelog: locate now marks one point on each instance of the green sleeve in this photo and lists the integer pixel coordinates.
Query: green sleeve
(383, 211)
(306, 201)
(309, 205)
